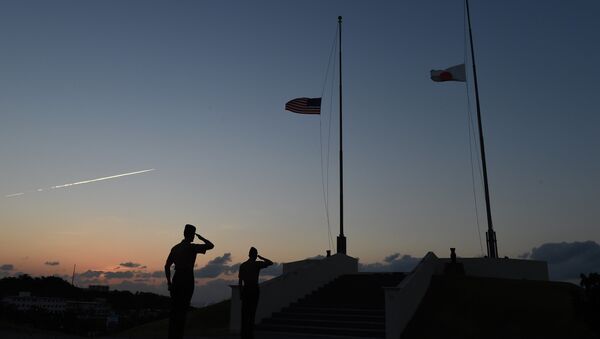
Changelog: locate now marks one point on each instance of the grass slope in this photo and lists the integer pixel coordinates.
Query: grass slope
(209, 320)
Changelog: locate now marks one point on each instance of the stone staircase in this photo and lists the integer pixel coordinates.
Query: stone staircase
(352, 305)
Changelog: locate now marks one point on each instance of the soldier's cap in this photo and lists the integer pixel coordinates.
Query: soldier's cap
(189, 229)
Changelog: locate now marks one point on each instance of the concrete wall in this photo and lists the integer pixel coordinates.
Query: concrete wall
(279, 292)
(501, 268)
(296, 265)
(402, 301)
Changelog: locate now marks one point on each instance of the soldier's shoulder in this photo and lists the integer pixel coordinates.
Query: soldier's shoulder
(177, 247)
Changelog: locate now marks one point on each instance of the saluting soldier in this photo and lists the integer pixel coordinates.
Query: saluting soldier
(183, 255)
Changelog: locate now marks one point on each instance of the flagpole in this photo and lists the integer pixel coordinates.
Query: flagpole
(492, 246)
(341, 239)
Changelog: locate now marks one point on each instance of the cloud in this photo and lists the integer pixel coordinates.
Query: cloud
(149, 275)
(226, 258)
(210, 271)
(90, 274)
(215, 267)
(391, 258)
(567, 260)
(234, 268)
(7, 267)
(52, 263)
(130, 264)
(119, 275)
(391, 263)
(220, 265)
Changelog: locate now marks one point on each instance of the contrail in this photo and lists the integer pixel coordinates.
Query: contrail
(84, 182)
(100, 179)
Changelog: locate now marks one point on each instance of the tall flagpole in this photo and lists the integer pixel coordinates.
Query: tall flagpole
(490, 235)
(341, 239)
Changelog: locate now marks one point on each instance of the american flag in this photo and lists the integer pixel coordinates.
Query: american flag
(304, 105)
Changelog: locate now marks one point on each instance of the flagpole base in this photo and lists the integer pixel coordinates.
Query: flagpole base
(492, 245)
(341, 244)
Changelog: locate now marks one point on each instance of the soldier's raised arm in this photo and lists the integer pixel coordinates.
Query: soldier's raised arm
(266, 262)
(208, 245)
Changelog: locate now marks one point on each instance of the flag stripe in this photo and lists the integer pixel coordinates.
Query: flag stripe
(304, 105)
(454, 73)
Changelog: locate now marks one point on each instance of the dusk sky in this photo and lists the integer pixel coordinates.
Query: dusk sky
(196, 91)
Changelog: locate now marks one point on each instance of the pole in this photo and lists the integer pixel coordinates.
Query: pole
(341, 239)
(73, 277)
(490, 236)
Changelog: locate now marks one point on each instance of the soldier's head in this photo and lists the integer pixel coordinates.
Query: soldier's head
(188, 232)
(253, 254)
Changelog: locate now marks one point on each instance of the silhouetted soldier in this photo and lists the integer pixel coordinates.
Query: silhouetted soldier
(248, 281)
(183, 255)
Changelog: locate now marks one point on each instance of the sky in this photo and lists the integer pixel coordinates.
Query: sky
(195, 90)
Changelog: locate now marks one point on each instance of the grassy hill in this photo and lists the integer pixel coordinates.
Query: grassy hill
(209, 320)
(470, 307)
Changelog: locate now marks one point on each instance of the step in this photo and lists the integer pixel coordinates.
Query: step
(340, 323)
(292, 335)
(356, 332)
(332, 316)
(366, 303)
(350, 306)
(334, 310)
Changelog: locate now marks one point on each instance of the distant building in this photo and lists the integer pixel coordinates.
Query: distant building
(26, 302)
(89, 308)
(99, 288)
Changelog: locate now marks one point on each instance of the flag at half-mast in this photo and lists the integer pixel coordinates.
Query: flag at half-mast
(304, 105)
(454, 73)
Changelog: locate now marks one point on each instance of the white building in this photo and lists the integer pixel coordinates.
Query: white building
(26, 302)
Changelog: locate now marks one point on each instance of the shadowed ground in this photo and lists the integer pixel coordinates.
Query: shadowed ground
(207, 321)
(469, 307)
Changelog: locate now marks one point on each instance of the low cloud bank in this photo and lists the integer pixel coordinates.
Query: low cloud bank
(215, 267)
(220, 266)
(392, 263)
(130, 264)
(7, 267)
(567, 260)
